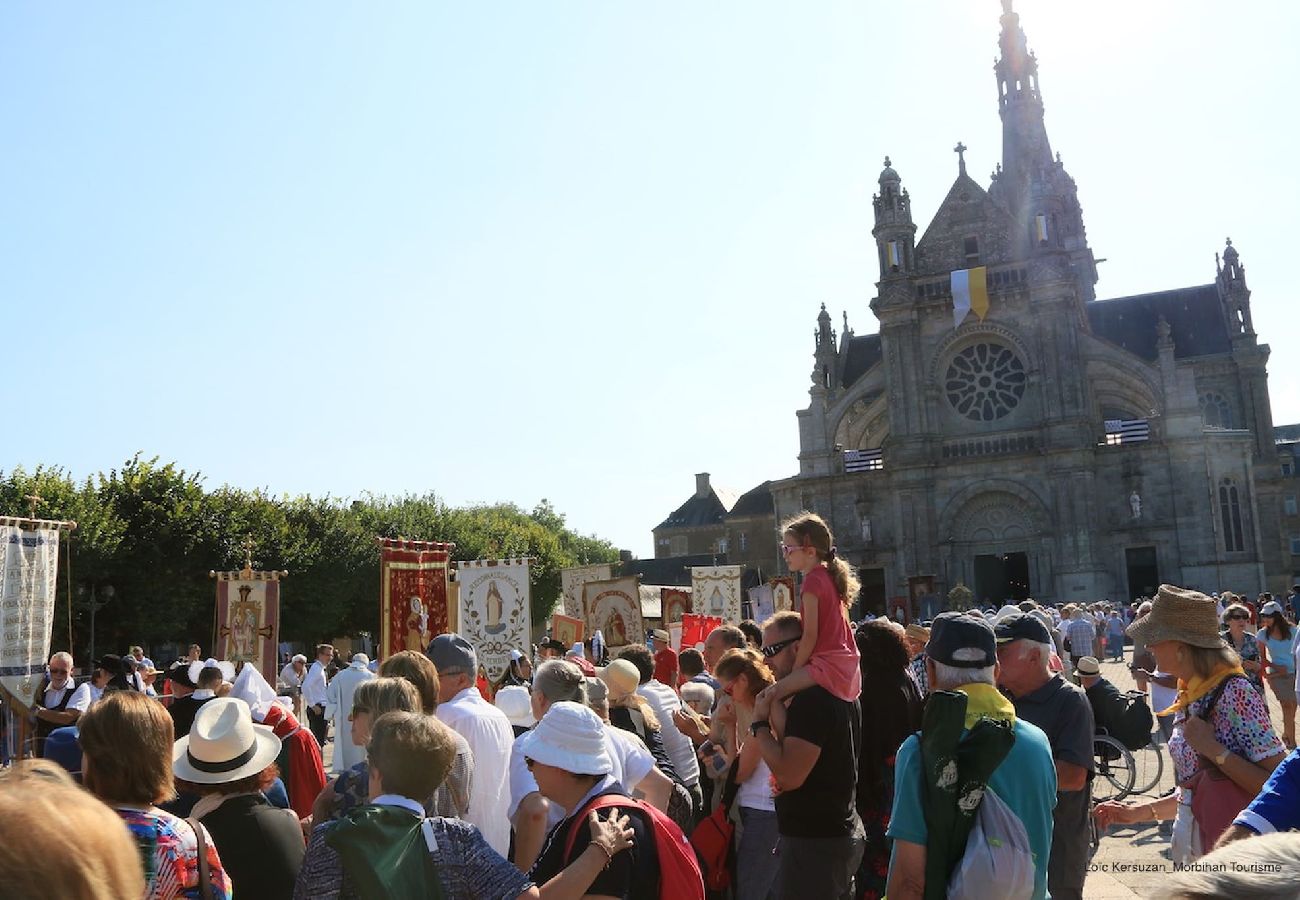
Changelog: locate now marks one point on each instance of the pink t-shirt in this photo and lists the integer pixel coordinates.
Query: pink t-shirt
(834, 660)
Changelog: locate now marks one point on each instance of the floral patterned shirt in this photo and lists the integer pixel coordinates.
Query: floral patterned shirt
(1241, 724)
(169, 851)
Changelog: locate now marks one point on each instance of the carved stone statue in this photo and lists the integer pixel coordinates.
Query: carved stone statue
(1135, 504)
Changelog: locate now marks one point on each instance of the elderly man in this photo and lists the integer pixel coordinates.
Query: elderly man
(1064, 714)
(313, 693)
(962, 656)
(338, 709)
(50, 704)
(484, 727)
(142, 662)
(291, 679)
(815, 764)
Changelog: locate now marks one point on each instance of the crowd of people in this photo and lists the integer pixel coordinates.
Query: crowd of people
(806, 756)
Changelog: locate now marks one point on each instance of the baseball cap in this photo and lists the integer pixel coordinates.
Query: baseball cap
(962, 641)
(1022, 626)
(451, 651)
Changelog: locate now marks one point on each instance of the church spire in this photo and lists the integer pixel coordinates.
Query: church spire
(895, 232)
(1026, 152)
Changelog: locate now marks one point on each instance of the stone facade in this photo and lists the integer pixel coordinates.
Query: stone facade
(1060, 447)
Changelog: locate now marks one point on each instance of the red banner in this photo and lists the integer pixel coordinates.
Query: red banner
(248, 619)
(412, 594)
(696, 628)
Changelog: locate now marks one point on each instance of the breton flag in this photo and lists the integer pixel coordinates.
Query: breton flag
(970, 291)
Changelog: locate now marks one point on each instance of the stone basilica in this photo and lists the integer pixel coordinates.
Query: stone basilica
(1058, 446)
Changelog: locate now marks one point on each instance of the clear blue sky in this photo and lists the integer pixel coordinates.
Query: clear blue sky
(575, 250)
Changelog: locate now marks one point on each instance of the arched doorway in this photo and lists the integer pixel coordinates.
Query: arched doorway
(995, 537)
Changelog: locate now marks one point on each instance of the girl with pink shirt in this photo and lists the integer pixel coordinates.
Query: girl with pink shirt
(827, 654)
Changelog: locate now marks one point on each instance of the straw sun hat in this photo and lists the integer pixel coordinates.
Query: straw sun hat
(1178, 614)
(223, 745)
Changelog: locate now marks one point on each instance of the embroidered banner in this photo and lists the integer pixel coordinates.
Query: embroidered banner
(760, 603)
(613, 607)
(29, 562)
(572, 580)
(782, 593)
(567, 630)
(675, 603)
(494, 610)
(248, 619)
(715, 591)
(412, 594)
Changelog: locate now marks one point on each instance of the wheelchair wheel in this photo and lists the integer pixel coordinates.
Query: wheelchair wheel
(1115, 769)
(1148, 767)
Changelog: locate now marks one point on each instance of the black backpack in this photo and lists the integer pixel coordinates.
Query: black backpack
(1130, 721)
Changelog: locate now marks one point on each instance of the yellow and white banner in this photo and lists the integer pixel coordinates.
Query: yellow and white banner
(572, 580)
(715, 591)
(613, 607)
(970, 293)
(29, 563)
(493, 610)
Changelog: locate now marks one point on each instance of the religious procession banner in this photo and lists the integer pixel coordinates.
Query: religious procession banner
(494, 610)
(567, 630)
(675, 603)
(782, 593)
(695, 629)
(248, 619)
(613, 607)
(715, 591)
(572, 580)
(29, 562)
(760, 603)
(412, 594)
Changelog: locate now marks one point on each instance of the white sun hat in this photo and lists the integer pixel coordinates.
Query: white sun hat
(570, 737)
(515, 701)
(223, 745)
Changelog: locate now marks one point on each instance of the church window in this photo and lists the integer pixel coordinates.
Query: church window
(1289, 505)
(985, 382)
(972, 251)
(1230, 516)
(1215, 411)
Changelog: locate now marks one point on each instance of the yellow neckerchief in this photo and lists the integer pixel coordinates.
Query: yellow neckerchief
(1191, 691)
(986, 700)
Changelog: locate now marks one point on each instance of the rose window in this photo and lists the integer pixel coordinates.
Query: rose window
(985, 382)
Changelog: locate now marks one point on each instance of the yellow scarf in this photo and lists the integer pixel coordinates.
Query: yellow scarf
(1191, 691)
(986, 700)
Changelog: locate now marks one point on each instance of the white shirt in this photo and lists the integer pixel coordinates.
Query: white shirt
(756, 791)
(54, 696)
(289, 675)
(490, 737)
(664, 701)
(338, 705)
(84, 695)
(630, 762)
(313, 686)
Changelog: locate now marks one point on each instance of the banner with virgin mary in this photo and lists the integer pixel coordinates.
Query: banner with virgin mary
(494, 610)
(412, 594)
(613, 607)
(715, 591)
(248, 619)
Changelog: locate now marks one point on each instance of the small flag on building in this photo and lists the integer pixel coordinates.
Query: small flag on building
(970, 292)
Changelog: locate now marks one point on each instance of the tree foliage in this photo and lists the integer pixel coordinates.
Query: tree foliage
(151, 531)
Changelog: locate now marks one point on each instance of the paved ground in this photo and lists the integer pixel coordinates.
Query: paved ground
(1131, 860)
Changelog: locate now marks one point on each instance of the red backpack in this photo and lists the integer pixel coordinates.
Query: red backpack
(679, 872)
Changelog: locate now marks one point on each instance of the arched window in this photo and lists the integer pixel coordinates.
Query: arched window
(1215, 411)
(1230, 516)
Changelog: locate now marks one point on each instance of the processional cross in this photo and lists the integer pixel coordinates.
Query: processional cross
(33, 499)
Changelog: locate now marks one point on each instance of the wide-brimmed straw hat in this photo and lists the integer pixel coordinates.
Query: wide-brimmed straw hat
(223, 745)
(622, 677)
(917, 632)
(1178, 614)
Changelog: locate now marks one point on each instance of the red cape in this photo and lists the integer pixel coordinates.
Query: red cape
(300, 761)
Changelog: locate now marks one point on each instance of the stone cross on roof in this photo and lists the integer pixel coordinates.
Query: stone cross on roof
(960, 150)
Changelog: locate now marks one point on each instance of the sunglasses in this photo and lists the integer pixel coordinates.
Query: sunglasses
(786, 549)
(58, 671)
(1238, 617)
(772, 650)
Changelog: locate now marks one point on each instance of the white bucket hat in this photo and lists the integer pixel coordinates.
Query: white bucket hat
(570, 737)
(223, 745)
(515, 701)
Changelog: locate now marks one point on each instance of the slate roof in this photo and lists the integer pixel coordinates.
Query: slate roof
(1283, 433)
(673, 571)
(864, 353)
(1195, 316)
(755, 502)
(709, 510)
